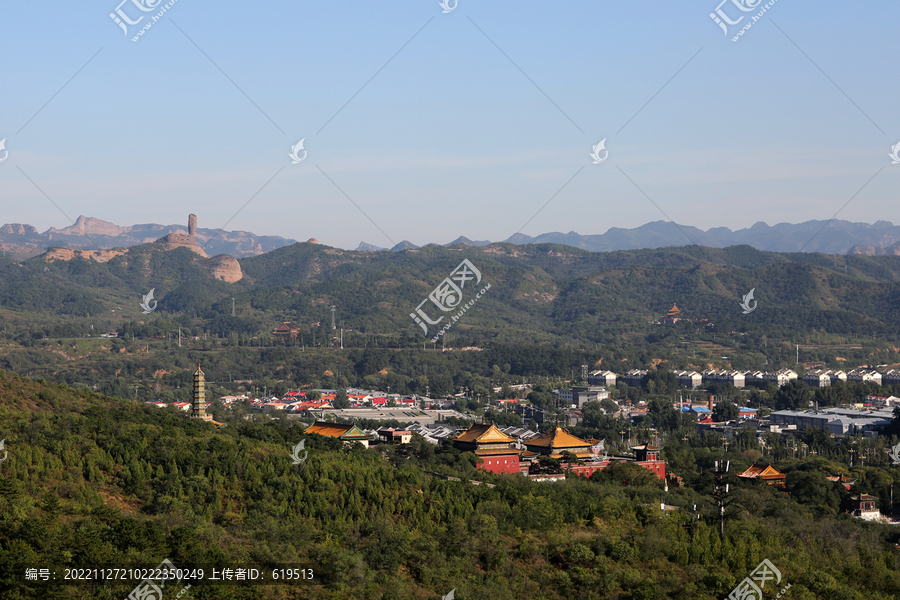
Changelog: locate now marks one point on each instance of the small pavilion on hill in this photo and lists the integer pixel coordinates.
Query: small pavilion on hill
(671, 317)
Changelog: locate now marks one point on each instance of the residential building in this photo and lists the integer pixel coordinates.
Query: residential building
(817, 378)
(579, 394)
(735, 378)
(837, 377)
(891, 377)
(689, 379)
(603, 378)
(864, 376)
(781, 377)
(635, 377)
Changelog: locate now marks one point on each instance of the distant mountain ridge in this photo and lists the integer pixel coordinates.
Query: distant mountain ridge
(834, 237)
(88, 232)
(827, 237)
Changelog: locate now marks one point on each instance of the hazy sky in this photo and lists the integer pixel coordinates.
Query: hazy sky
(439, 125)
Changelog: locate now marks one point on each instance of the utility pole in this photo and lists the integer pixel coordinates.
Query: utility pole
(798, 354)
(232, 307)
(333, 308)
(721, 493)
(179, 337)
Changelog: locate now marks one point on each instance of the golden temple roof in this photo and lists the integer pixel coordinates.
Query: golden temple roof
(766, 472)
(336, 430)
(674, 311)
(483, 433)
(558, 438)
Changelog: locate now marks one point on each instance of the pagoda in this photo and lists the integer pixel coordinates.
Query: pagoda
(198, 407)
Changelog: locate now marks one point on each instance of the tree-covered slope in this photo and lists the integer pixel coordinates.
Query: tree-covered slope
(92, 481)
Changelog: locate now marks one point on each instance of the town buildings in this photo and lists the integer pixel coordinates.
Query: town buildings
(579, 394)
(837, 421)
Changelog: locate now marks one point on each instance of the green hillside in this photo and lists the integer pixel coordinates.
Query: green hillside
(550, 309)
(537, 291)
(92, 481)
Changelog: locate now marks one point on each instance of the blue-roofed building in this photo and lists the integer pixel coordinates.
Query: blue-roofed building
(701, 412)
(746, 412)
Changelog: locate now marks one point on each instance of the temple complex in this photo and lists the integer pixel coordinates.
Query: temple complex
(500, 453)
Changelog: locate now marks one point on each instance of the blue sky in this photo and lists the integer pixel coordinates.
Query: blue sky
(450, 137)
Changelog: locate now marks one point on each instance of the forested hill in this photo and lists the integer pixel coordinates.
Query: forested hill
(537, 292)
(93, 482)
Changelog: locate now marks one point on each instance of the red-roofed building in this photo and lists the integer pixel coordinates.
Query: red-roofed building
(508, 401)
